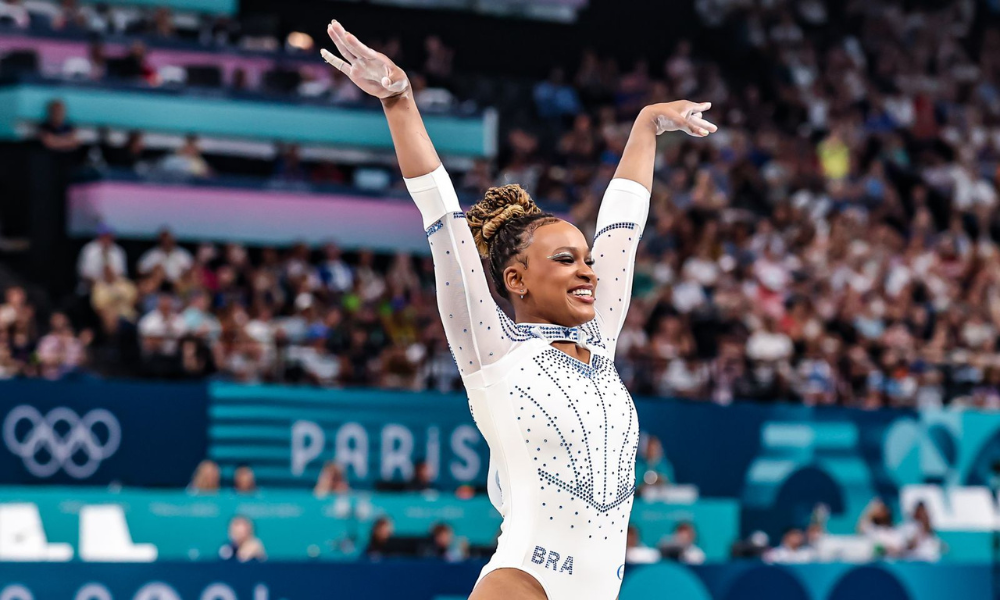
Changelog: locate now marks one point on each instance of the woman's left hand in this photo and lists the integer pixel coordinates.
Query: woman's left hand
(681, 115)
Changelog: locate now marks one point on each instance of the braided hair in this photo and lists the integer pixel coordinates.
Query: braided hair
(502, 224)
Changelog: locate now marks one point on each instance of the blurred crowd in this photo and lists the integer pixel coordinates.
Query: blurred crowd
(121, 38)
(834, 243)
(877, 537)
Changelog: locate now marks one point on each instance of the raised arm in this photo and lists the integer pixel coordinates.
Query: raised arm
(472, 321)
(378, 76)
(625, 206)
(640, 150)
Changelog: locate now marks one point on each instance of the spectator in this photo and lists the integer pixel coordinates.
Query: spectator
(198, 318)
(93, 67)
(681, 546)
(767, 344)
(196, 358)
(135, 66)
(186, 161)
(876, 524)
(162, 24)
(921, 542)
(100, 254)
(9, 366)
(554, 98)
(175, 260)
(55, 133)
(437, 67)
(793, 549)
(331, 481)
(15, 307)
(161, 330)
(685, 377)
(428, 98)
(379, 538)
(336, 276)
(113, 298)
(422, 479)
(206, 479)
(242, 546)
(637, 553)
(130, 156)
(441, 544)
(244, 481)
(61, 352)
(317, 364)
(754, 546)
(289, 167)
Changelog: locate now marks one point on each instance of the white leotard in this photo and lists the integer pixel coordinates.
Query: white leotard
(562, 433)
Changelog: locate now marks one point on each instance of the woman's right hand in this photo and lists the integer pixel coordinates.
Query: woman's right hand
(371, 71)
(681, 115)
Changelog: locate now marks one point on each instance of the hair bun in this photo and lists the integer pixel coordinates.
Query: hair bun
(500, 206)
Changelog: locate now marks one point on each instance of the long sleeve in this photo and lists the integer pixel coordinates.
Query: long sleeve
(473, 323)
(620, 222)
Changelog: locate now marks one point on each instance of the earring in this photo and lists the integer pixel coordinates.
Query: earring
(522, 294)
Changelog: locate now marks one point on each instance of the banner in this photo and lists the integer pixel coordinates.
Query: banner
(96, 433)
(780, 461)
(435, 580)
(286, 434)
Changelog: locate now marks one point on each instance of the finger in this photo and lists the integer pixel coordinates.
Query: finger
(336, 31)
(358, 48)
(702, 107)
(694, 130)
(337, 62)
(703, 124)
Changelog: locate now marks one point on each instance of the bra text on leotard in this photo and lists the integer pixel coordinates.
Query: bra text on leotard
(551, 560)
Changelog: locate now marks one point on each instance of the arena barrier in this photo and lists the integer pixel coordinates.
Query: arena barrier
(431, 580)
(778, 461)
(145, 525)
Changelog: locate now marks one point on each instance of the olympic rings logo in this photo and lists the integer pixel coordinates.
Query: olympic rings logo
(43, 434)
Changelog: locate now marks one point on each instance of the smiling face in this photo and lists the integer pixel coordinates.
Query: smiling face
(555, 270)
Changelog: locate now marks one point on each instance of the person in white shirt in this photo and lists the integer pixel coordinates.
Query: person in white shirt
(921, 543)
(99, 253)
(176, 261)
(793, 549)
(876, 524)
(162, 328)
(681, 546)
(637, 553)
(767, 344)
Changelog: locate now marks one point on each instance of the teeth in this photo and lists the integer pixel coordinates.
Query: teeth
(583, 293)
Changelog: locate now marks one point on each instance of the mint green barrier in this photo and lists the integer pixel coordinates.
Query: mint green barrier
(235, 118)
(294, 525)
